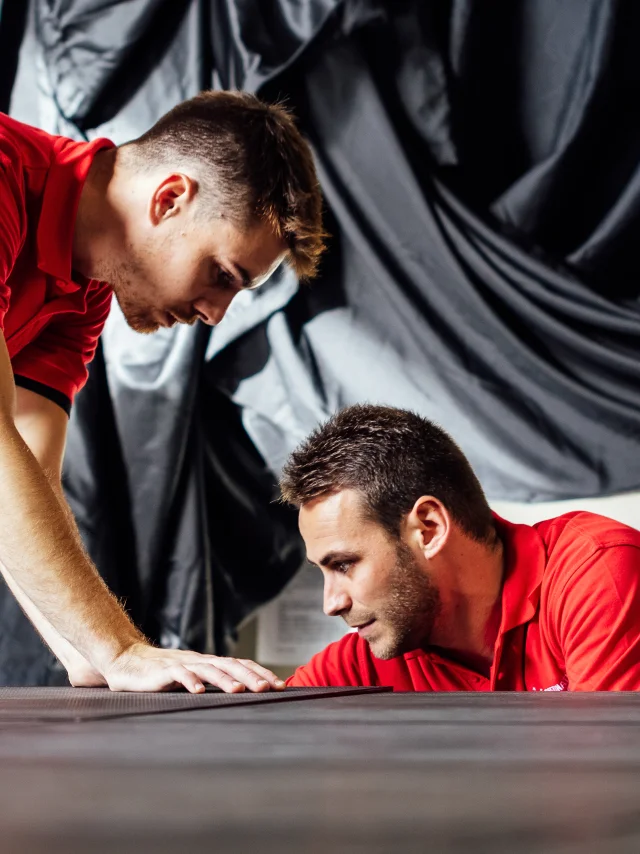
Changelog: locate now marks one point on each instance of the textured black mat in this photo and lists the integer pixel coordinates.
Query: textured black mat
(375, 773)
(73, 704)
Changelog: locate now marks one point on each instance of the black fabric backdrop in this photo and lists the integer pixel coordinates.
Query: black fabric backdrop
(480, 162)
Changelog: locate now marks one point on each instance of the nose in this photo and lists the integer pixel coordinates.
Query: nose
(336, 599)
(212, 311)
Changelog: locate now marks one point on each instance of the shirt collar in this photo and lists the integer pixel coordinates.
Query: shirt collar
(65, 179)
(525, 559)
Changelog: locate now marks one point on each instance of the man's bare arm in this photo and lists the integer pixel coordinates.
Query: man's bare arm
(42, 552)
(80, 672)
(43, 555)
(43, 426)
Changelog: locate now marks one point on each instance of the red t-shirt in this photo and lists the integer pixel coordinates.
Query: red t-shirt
(51, 319)
(570, 620)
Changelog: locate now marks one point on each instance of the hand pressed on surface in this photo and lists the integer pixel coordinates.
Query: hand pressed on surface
(142, 667)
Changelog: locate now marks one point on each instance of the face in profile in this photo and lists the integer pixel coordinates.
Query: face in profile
(374, 581)
(180, 263)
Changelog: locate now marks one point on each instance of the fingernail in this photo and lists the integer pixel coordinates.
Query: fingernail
(279, 683)
(262, 682)
(199, 686)
(237, 684)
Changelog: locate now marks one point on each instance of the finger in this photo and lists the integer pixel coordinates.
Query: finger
(239, 671)
(184, 676)
(235, 669)
(217, 677)
(263, 672)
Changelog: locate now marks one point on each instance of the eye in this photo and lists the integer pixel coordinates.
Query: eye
(223, 279)
(342, 566)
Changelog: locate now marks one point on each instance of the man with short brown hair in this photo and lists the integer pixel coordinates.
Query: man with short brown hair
(443, 595)
(206, 204)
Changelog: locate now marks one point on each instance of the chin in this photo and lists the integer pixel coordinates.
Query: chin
(385, 650)
(392, 647)
(142, 325)
(384, 653)
(138, 318)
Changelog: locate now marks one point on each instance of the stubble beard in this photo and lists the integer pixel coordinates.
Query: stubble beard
(413, 606)
(122, 278)
(138, 321)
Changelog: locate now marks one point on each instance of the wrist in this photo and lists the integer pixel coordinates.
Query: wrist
(106, 649)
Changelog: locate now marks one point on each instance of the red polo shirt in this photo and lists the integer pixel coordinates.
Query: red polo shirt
(51, 318)
(570, 620)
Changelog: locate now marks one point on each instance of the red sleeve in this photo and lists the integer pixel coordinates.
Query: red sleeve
(12, 226)
(337, 665)
(59, 355)
(598, 622)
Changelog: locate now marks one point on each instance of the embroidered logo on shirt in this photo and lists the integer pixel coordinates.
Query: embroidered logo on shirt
(562, 685)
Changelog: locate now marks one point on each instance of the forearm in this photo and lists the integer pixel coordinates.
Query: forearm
(76, 665)
(44, 556)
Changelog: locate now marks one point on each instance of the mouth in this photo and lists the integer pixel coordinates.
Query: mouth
(167, 319)
(187, 319)
(363, 628)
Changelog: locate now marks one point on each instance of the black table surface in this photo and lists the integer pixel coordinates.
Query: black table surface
(550, 772)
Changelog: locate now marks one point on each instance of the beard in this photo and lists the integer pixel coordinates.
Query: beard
(125, 277)
(137, 318)
(128, 280)
(405, 621)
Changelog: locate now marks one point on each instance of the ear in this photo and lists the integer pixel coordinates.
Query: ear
(429, 525)
(172, 196)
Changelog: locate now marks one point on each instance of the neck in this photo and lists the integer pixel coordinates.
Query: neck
(96, 216)
(469, 620)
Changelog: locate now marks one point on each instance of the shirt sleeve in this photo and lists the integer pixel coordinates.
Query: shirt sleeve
(59, 356)
(12, 226)
(598, 622)
(336, 666)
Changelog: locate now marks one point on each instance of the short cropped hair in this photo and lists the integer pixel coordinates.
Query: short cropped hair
(253, 165)
(392, 457)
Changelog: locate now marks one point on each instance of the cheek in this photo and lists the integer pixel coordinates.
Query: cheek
(379, 589)
(369, 586)
(174, 278)
(185, 276)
